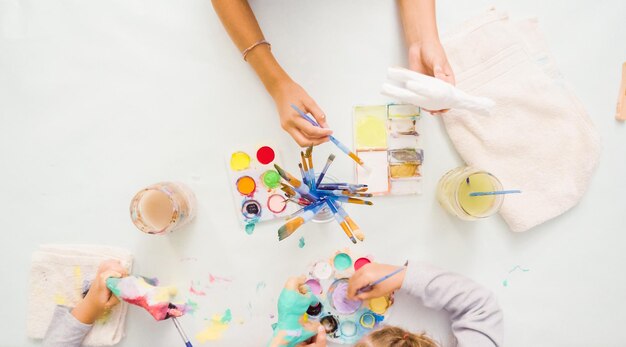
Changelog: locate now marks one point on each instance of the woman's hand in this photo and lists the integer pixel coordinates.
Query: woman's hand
(429, 58)
(304, 133)
(99, 299)
(368, 274)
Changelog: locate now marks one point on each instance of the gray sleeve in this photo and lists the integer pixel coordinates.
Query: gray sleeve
(475, 313)
(65, 330)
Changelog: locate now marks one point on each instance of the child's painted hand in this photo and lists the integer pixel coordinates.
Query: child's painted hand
(369, 274)
(303, 132)
(292, 329)
(99, 298)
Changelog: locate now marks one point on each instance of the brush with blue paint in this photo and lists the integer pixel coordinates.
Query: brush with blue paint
(323, 173)
(370, 286)
(334, 140)
(306, 194)
(308, 213)
(181, 332)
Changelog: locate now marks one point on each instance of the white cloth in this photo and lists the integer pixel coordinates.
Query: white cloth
(431, 93)
(58, 276)
(538, 137)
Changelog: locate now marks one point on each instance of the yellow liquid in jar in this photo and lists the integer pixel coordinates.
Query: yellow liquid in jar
(476, 205)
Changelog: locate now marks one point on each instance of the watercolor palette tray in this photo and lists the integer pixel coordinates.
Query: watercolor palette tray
(255, 184)
(346, 321)
(387, 138)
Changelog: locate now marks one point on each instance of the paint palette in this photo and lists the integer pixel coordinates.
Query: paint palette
(346, 321)
(386, 137)
(256, 184)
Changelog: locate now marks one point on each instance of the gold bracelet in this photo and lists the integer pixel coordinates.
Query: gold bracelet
(260, 42)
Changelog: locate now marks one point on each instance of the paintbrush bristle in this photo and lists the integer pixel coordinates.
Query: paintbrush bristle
(308, 151)
(368, 203)
(281, 172)
(331, 157)
(289, 228)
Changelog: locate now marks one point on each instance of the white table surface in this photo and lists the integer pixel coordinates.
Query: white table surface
(101, 98)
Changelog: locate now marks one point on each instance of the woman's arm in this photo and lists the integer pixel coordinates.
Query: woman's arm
(243, 28)
(425, 53)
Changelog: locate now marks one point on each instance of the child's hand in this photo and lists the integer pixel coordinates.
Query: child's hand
(369, 274)
(99, 299)
(303, 132)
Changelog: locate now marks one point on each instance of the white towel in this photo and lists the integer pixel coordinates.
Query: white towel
(538, 137)
(59, 274)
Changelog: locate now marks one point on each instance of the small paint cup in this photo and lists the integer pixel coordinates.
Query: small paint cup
(325, 215)
(162, 208)
(454, 188)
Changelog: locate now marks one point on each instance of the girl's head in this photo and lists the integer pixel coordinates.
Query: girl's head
(395, 337)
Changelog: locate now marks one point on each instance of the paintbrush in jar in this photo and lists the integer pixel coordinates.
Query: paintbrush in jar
(293, 224)
(323, 173)
(296, 184)
(341, 220)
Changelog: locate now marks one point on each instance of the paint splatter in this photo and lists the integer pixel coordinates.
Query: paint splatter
(195, 291)
(260, 286)
(214, 279)
(250, 228)
(227, 317)
(192, 306)
(78, 281)
(505, 282)
(60, 299)
(301, 242)
(219, 324)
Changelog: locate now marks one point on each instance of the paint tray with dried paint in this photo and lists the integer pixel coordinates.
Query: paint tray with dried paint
(255, 184)
(388, 140)
(346, 321)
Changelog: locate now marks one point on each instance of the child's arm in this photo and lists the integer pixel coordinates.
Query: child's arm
(69, 327)
(474, 311)
(244, 30)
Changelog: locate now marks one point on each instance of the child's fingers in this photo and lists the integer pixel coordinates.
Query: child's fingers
(109, 273)
(319, 115)
(356, 282)
(320, 339)
(113, 300)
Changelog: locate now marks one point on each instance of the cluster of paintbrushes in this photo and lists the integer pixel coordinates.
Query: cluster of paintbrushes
(313, 195)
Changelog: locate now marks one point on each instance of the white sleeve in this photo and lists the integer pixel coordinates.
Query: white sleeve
(65, 330)
(475, 313)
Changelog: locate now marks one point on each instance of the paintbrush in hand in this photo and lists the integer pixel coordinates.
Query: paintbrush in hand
(370, 286)
(181, 332)
(337, 143)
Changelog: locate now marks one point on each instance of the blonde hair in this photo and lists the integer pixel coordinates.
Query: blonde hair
(395, 337)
